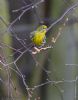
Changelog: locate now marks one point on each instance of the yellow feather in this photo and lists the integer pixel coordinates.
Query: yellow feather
(39, 35)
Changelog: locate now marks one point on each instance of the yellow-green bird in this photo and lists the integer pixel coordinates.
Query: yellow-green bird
(38, 37)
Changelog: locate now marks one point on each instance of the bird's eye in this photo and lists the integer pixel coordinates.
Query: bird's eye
(44, 27)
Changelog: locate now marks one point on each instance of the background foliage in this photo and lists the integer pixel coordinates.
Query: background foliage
(50, 74)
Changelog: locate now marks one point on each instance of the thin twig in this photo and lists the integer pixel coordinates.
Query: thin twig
(25, 10)
(65, 13)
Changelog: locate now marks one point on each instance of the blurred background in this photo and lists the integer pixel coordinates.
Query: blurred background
(52, 73)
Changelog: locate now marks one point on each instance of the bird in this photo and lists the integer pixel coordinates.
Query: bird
(38, 37)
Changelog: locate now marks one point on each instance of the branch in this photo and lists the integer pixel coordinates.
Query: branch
(65, 13)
